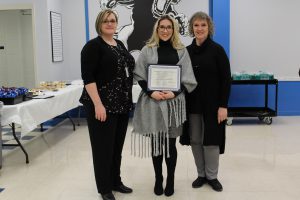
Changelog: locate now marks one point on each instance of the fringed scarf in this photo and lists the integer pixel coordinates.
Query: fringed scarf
(152, 119)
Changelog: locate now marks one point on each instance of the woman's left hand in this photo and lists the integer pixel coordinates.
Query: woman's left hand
(168, 94)
(222, 114)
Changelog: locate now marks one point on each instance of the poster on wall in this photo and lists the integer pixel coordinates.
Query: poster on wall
(137, 18)
(56, 36)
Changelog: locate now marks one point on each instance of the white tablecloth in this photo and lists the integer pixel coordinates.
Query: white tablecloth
(31, 113)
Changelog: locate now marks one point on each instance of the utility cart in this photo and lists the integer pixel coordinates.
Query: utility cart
(264, 113)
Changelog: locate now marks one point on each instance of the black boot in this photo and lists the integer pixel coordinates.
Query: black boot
(158, 187)
(169, 190)
(171, 165)
(157, 164)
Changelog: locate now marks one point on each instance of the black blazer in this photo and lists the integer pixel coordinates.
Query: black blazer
(212, 71)
(98, 62)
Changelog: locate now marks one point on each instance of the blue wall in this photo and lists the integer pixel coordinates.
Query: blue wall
(87, 24)
(219, 10)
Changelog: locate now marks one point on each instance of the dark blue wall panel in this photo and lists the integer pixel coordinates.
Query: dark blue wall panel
(289, 98)
(253, 96)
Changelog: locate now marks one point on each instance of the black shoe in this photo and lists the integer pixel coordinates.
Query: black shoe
(199, 182)
(169, 190)
(158, 187)
(108, 196)
(122, 188)
(215, 184)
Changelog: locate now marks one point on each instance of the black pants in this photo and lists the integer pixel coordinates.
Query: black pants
(107, 139)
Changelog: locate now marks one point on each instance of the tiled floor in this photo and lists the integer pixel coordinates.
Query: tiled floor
(7, 135)
(261, 162)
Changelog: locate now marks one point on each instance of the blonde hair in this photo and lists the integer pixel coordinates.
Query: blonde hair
(101, 18)
(175, 39)
(202, 16)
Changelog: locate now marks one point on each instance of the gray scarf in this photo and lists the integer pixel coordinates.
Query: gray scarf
(152, 118)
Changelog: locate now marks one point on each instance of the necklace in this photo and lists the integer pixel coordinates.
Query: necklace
(111, 42)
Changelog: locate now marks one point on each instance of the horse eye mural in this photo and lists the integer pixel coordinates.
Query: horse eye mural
(112, 3)
(143, 16)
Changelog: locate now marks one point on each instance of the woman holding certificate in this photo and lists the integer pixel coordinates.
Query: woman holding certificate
(164, 72)
(106, 68)
(207, 104)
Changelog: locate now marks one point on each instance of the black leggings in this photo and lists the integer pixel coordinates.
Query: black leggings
(170, 161)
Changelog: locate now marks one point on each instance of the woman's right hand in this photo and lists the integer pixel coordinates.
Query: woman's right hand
(157, 95)
(100, 112)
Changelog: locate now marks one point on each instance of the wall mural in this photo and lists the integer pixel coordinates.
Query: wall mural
(142, 14)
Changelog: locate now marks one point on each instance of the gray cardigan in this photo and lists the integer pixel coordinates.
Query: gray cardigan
(152, 118)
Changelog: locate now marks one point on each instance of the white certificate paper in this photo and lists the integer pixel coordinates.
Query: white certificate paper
(164, 77)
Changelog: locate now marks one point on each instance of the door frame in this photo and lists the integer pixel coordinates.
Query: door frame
(22, 7)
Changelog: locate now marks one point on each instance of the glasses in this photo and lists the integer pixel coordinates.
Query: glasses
(162, 28)
(109, 21)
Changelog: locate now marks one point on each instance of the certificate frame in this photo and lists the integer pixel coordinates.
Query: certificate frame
(164, 77)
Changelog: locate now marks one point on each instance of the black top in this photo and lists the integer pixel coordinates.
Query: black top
(110, 67)
(166, 55)
(212, 71)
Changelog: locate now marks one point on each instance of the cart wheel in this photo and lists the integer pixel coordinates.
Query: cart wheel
(229, 121)
(261, 118)
(268, 120)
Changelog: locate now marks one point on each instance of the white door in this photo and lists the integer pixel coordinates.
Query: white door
(3, 79)
(16, 55)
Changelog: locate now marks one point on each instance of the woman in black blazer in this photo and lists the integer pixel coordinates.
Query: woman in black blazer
(106, 68)
(207, 104)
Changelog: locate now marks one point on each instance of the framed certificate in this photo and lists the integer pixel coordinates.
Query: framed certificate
(164, 77)
(56, 37)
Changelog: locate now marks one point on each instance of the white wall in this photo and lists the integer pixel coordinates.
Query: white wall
(265, 35)
(73, 36)
(56, 69)
(73, 30)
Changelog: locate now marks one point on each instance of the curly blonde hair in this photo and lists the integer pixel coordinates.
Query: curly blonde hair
(175, 39)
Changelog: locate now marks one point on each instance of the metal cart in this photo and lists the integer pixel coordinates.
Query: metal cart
(264, 113)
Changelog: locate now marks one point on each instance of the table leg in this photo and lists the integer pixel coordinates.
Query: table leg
(74, 127)
(18, 142)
